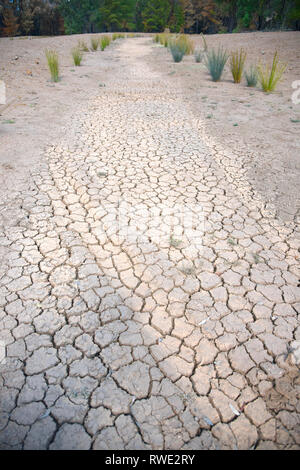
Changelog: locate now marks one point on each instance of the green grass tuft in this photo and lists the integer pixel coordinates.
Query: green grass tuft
(215, 62)
(176, 50)
(269, 76)
(198, 54)
(186, 44)
(237, 62)
(104, 42)
(251, 76)
(77, 56)
(119, 36)
(82, 46)
(164, 39)
(53, 64)
(94, 44)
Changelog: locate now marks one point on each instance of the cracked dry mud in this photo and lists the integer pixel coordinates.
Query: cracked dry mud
(154, 342)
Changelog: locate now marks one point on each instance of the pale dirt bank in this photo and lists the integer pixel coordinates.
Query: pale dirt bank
(256, 126)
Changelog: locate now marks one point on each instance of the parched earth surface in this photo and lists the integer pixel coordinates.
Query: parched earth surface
(149, 297)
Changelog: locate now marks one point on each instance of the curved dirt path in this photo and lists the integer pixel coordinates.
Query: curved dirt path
(148, 298)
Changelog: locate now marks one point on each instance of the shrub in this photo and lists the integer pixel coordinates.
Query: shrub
(269, 76)
(115, 36)
(198, 55)
(251, 76)
(156, 38)
(104, 42)
(177, 50)
(94, 44)
(215, 63)
(53, 64)
(237, 62)
(77, 56)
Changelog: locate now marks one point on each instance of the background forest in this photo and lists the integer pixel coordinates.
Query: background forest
(51, 17)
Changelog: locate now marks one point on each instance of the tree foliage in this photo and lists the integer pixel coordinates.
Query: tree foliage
(10, 23)
(191, 16)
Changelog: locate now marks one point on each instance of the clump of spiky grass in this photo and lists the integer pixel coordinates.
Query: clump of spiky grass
(94, 43)
(237, 63)
(156, 38)
(215, 62)
(198, 54)
(164, 39)
(119, 36)
(186, 44)
(82, 46)
(177, 50)
(269, 76)
(77, 56)
(204, 42)
(251, 76)
(53, 64)
(104, 42)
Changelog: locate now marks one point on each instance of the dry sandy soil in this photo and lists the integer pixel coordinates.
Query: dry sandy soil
(40, 111)
(256, 127)
(125, 326)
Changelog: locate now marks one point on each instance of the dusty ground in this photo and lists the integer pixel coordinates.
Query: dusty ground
(178, 336)
(256, 127)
